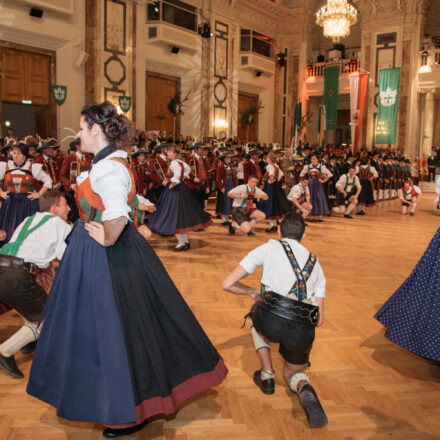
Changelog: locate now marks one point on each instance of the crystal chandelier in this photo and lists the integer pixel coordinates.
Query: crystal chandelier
(336, 17)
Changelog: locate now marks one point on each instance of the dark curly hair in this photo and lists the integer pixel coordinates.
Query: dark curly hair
(23, 148)
(118, 129)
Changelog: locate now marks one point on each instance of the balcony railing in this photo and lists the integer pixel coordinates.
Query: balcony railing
(346, 66)
(430, 58)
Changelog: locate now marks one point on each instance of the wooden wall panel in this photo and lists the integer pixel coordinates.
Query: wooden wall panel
(38, 78)
(13, 74)
(244, 101)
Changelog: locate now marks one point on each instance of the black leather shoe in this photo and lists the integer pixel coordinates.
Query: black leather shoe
(187, 245)
(266, 386)
(411, 214)
(181, 248)
(272, 229)
(231, 230)
(8, 365)
(226, 223)
(29, 348)
(347, 216)
(309, 400)
(251, 234)
(113, 433)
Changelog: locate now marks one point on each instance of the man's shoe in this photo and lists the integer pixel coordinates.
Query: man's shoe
(360, 213)
(113, 433)
(251, 234)
(8, 365)
(29, 348)
(266, 386)
(411, 214)
(231, 230)
(347, 216)
(187, 245)
(309, 400)
(272, 229)
(226, 223)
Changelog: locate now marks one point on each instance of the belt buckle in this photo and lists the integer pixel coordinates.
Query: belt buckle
(32, 268)
(314, 315)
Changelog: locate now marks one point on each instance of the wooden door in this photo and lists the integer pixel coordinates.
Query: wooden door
(247, 133)
(159, 92)
(42, 121)
(25, 76)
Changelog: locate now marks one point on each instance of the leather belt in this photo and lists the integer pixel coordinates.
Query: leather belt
(289, 308)
(18, 263)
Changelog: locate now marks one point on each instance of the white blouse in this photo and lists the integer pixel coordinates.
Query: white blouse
(270, 170)
(177, 171)
(37, 171)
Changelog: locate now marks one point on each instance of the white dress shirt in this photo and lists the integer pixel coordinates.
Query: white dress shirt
(143, 200)
(45, 243)
(37, 171)
(240, 174)
(242, 189)
(270, 170)
(407, 195)
(278, 275)
(297, 191)
(343, 180)
(112, 182)
(177, 170)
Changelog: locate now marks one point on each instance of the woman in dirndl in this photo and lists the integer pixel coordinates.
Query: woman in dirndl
(226, 179)
(411, 314)
(177, 210)
(20, 198)
(277, 205)
(366, 174)
(119, 344)
(318, 175)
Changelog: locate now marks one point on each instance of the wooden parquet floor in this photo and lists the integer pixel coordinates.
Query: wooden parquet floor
(370, 388)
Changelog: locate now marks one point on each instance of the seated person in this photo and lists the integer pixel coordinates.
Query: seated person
(349, 188)
(299, 195)
(409, 196)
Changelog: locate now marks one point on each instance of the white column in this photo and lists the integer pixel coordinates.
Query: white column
(428, 126)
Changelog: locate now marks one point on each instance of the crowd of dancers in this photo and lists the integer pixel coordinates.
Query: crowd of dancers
(162, 186)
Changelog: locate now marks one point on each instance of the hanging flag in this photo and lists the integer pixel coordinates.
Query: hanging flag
(331, 90)
(358, 94)
(297, 123)
(321, 125)
(388, 106)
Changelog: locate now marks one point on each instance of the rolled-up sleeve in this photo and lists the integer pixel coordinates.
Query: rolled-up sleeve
(253, 259)
(320, 281)
(111, 181)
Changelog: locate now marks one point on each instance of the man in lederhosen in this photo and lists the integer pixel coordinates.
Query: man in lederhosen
(36, 242)
(292, 305)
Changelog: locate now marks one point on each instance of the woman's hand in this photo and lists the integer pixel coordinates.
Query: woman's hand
(172, 185)
(96, 231)
(34, 195)
(4, 195)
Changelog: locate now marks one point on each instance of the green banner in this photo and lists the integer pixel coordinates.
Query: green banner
(388, 106)
(297, 118)
(331, 89)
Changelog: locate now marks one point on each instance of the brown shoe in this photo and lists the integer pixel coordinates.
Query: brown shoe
(266, 386)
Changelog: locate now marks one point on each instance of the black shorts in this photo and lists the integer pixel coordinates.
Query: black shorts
(240, 215)
(20, 291)
(295, 338)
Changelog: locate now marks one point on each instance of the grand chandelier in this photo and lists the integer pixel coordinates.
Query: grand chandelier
(335, 18)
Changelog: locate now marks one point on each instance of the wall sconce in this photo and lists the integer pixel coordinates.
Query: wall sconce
(221, 123)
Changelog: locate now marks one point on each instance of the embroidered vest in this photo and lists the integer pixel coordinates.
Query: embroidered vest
(90, 205)
(19, 183)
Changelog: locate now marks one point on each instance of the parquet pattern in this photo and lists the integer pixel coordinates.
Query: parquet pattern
(370, 388)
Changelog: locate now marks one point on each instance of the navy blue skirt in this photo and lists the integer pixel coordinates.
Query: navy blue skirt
(366, 196)
(411, 315)
(177, 212)
(119, 344)
(224, 203)
(277, 205)
(318, 198)
(14, 210)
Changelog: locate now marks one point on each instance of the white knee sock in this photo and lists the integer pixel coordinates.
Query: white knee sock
(413, 207)
(180, 239)
(295, 379)
(28, 333)
(259, 341)
(224, 218)
(253, 222)
(235, 225)
(350, 208)
(272, 223)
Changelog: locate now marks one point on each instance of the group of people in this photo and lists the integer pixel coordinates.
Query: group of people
(95, 210)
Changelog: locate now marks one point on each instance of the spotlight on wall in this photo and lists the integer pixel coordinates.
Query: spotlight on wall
(35, 12)
(175, 49)
(205, 30)
(281, 59)
(258, 73)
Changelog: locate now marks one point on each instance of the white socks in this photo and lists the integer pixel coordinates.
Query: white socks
(28, 333)
(265, 375)
(272, 223)
(259, 341)
(224, 218)
(350, 208)
(295, 379)
(181, 239)
(413, 207)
